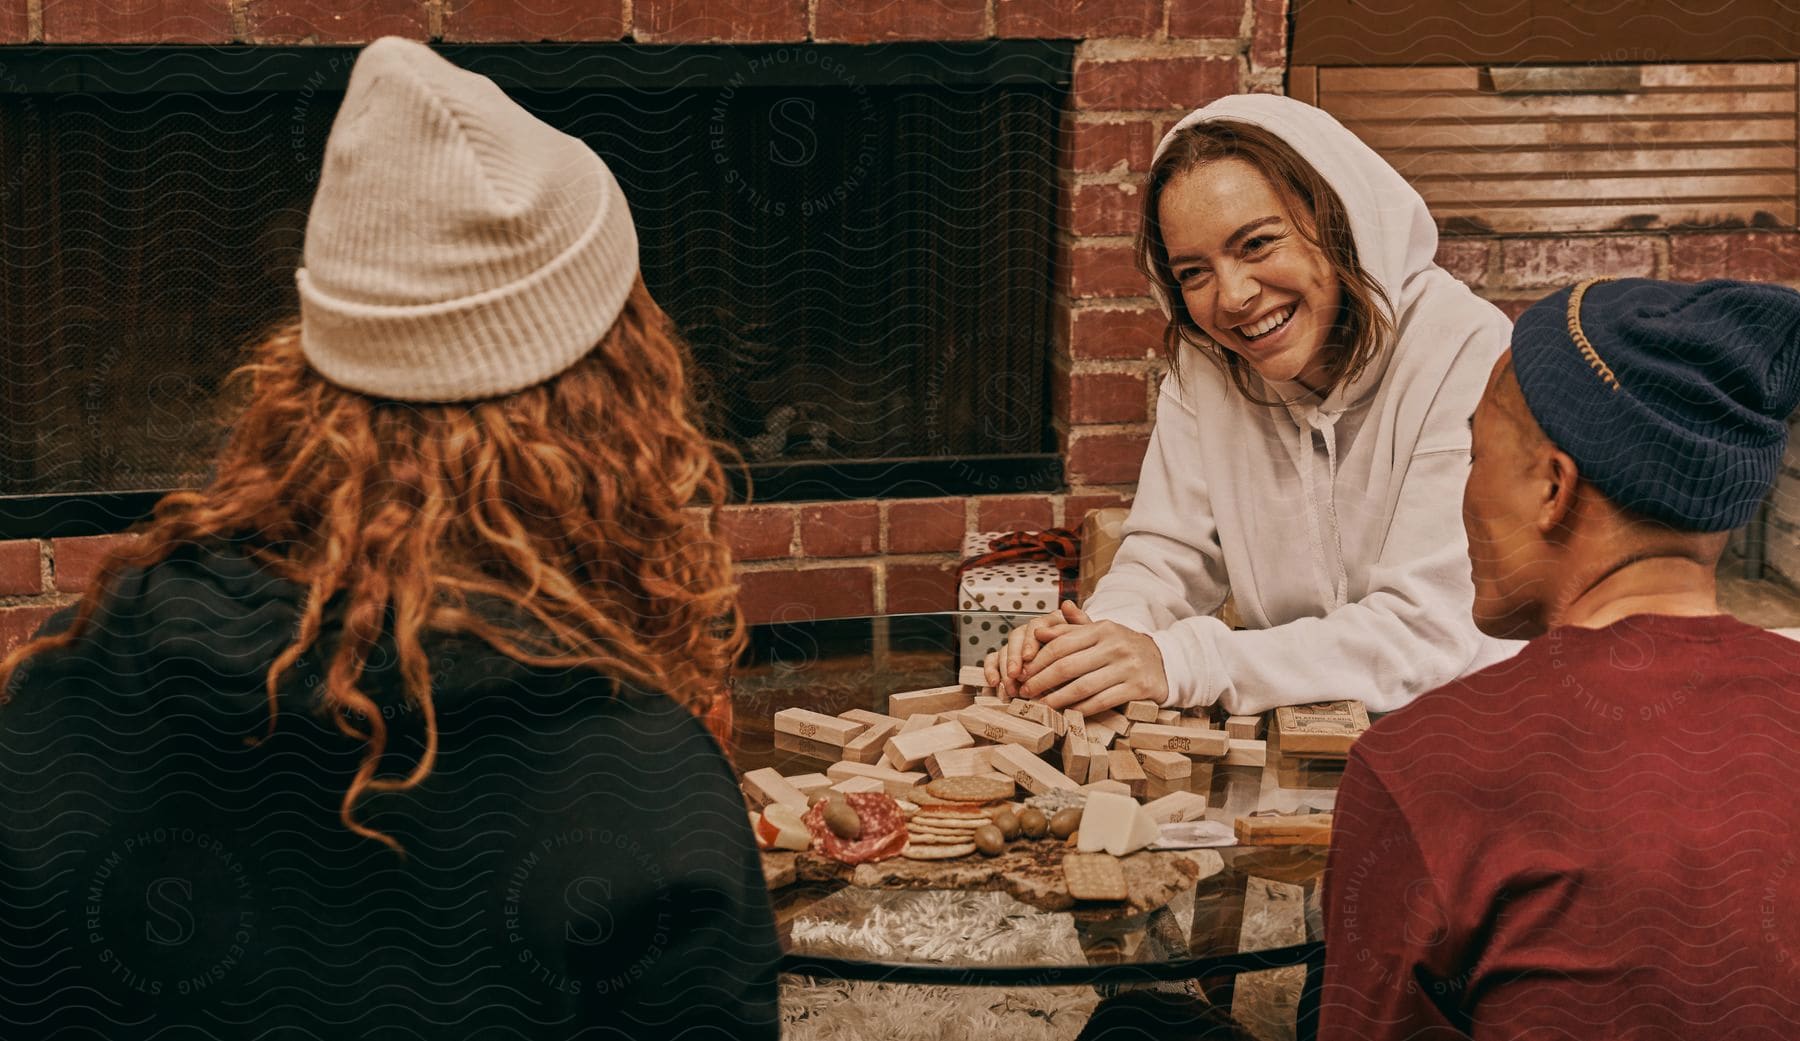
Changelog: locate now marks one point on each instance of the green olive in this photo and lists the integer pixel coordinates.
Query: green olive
(842, 820)
(1008, 823)
(1065, 822)
(989, 840)
(1033, 823)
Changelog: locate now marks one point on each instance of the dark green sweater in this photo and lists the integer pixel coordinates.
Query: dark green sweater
(577, 864)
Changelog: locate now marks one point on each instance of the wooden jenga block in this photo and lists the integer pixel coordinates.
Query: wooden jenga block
(1038, 712)
(1098, 768)
(824, 751)
(1325, 729)
(1301, 829)
(1031, 773)
(1166, 717)
(919, 721)
(1108, 785)
(1193, 722)
(1200, 781)
(817, 726)
(931, 699)
(867, 746)
(767, 786)
(1113, 721)
(908, 751)
(858, 784)
(1142, 711)
(810, 783)
(1122, 766)
(1003, 727)
(972, 676)
(893, 782)
(1158, 787)
(1176, 806)
(863, 715)
(1102, 738)
(1210, 743)
(1077, 756)
(1247, 753)
(1170, 766)
(1242, 728)
(989, 701)
(959, 762)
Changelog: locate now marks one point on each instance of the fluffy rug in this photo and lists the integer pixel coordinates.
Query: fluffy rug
(944, 927)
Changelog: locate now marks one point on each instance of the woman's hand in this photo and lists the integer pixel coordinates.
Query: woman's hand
(1093, 666)
(1005, 668)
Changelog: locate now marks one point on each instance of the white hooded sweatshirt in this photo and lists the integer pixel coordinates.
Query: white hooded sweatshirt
(1337, 524)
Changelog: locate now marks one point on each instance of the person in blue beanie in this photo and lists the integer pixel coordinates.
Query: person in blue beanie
(1595, 838)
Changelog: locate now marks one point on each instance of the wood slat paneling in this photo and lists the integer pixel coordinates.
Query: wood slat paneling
(1622, 147)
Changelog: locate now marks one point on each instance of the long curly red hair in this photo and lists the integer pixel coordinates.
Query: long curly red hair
(589, 503)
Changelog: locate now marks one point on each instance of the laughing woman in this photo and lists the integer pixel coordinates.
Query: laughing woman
(1311, 441)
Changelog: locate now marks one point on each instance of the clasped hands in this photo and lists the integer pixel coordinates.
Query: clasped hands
(1068, 660)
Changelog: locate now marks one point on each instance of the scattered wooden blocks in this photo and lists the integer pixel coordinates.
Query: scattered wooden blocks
(767, 786)
(1158, 787)
(1123, 767)
(1038, 712)
(931, 699)
(908, 751)
(1031, 773)
(867, 746)
(958, 762)
(1177, 806)
(1111, 720)
(817, 726)
(1242, 728)
(863, 715)
(858, 784)
(1187, 741)
(919, 721)
(809, 783)
(1167, 766)
(1201, 780)
(1299, 829)
(1098, 770)
(989, 701)
(893, 782)
(1142, 711)
(1006, 728)
(1194, 722)
(972, 676)
(1327, 729)
(824, 751)
(1247, 753)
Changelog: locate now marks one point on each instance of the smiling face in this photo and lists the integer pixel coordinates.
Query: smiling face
(1249, 278)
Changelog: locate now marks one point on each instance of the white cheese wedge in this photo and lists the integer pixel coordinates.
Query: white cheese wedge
(1144, 831)
(1108, 820)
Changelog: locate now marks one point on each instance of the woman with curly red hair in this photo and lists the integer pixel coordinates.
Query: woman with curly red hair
(391, 729)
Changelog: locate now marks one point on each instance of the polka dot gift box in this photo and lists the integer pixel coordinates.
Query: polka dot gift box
(992, 598)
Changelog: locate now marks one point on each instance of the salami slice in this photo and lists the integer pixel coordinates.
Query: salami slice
(883, 829)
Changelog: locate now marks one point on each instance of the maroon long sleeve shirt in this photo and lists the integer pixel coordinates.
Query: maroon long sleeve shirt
(1595, 839)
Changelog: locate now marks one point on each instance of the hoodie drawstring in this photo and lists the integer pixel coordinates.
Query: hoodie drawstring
(1333, 589)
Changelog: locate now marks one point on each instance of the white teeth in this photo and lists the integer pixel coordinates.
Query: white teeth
(1269, 324)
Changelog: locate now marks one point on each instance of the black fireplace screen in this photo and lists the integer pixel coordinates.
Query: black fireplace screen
(857, 244)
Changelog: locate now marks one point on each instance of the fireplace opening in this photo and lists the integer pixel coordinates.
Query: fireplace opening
(857, 241)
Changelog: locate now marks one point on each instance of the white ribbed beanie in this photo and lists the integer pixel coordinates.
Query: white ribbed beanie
(457, 247)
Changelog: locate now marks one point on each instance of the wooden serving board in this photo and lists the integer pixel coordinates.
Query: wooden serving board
(1030, 872)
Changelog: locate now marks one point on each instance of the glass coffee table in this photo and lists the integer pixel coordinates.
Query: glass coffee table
(1252, 909)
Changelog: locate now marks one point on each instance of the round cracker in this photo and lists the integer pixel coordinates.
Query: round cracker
(912, 852)
(962, 823)
(971, 789)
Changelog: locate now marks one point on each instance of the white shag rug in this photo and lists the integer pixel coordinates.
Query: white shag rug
(945, 927)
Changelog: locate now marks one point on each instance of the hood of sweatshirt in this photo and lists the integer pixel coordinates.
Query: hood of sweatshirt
(1396, 243)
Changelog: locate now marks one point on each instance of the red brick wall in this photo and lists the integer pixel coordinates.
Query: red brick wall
(1140, 65)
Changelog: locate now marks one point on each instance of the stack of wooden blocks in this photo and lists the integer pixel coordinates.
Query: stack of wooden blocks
(1159, 757)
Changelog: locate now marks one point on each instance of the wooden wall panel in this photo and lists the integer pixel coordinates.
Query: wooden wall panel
(1580, 148)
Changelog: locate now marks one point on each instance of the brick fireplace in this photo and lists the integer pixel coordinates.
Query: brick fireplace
(1138, 66)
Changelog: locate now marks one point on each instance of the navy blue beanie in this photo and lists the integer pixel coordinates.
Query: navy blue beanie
(1672, 398)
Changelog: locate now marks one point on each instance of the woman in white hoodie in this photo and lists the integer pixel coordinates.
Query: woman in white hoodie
(1311, 440)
